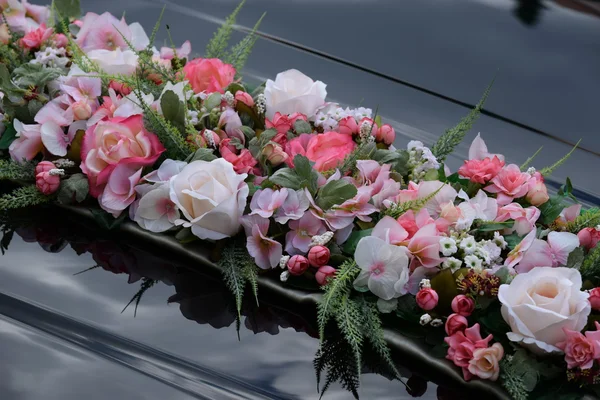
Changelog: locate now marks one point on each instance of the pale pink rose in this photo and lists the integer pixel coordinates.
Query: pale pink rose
(119, 191)
(325, 273)
(580, 350)
(208, 75)
(28, 143)
(243, 162)
(509, 184)
(481, 171)
(297, 146)
(266, 201)
(589, 237)
(81, 110)
(60, 40)
(167, 53)
(292, 92)
(463, 305)
(456, 323)
(281, 123)
(46, 183)
(245, 98)
(427, 299)
(538, 193)
(486, 362)
(425, 248)
(462, 345)
(329, 149)
(297, 265)
(114, 142)
(318, 256)
(348, 126)
(36, 37)
(385, 134)
(595, 298)
(274, 154)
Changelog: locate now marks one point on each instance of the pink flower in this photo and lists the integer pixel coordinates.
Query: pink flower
(537, 193)
(297, 146)
(301, 231)
(318, 256)
(245, 98)
(119, 87)
(266, 251)
(589, 237)
(444, 195)
(479, 151)
(243, 162)
(516, 254)
(39, 14)
(568, 214)
(297, 265)
(46, 183)
(83, 88)
(166, 53)
(463, 345)
(427, 299)
(266, 201)
(119, 191)
(551, 253)
(385, 134)
(425, 248)
(463, 305)
(102, 32)
(324, 274)
(44, 166)
(412, 223)
(329, 149)
(232, 123)
(208, 74)
(485, 363)
(28, 143)
(525, 218)
(35, 38)
(81, 110)
(510, 183)
(481, 171)
(456, 323)
(581, 350)
(274, 154)
(390, 230)
(114, 142)
(358, 206)
(281, 123)
(154, 210)
(60, 40)
(595, 298)
(293, 208)
(348, 126)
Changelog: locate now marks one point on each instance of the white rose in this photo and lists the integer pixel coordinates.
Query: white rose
(211, 196)
(540, 303)
(115, 62)
(291, 92)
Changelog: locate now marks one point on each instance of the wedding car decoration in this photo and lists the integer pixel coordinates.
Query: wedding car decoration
(496, 273)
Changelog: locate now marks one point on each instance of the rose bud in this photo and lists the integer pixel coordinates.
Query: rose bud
(244, 98)
(595, 298)
(44, 166)
(537, 194)
(456, 323)
(463, 305)
(60, 40)
(324, 273)
(46, 183)
(385, 134)
(427, 299)
(589, 237)
(120, 87)
(297, 265)
(274, 154)
(318, 256)
(81, 110)
(348, 126)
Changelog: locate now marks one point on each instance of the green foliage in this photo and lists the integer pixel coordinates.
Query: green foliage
(525, 165)
(334, 193)
(241, 51)
(301, 176)
(73, 189)
(521, 373)
(217, 47)
(203, 154)
(353, 239)
(167, 133)
(551, 209)
(10, 170)
(26, 196)
(491, 226)
(147, 283)
(549, 170)
(155, 29)
(452, 137)
(398, 159)
(9, 135)
(364, 151)
(67, 8)
(173, 109)
(35, 75)
(395, 210)
(590, 268)
(575, 259)
(301, 126)
(589, 218)
(336, 357)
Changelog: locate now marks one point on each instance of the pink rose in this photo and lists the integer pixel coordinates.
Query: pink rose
(44, 166)
(243, 162)
(485, 363)
(281, 123)
(385, 135)
(324, 274)
(35, 38)
(462, 345)
(463, 305)
(595, 298)
(208, 74)
(348, 126)
(329, 149)
(318, 256)
(456, 323)
(60, 40)
(589, 237)
(481, 171)
(537, 193)
(119, 88)
(297, 146)
(46, 183)
(244, 98)
(581, 350)
(114, 142)
(510, 183)
(427, 299)
(297, 265)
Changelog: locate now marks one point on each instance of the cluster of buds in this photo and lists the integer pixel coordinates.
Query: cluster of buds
(47, 177)
(261, 104)
(421, 160)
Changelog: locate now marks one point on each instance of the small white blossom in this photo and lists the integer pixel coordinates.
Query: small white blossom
(436, 323)
(193, 117)
(321, 240)
(453, 263)
(474, 262)
(51, 57)
(229, 98)
(57, 171)
(425, 284)
(284, 276)
(448, 246)
(414, 144)
(463, 224)
(493, 251)
(499, 240)
(365, 130)
(425, 319)
(210, 138)
(64, 163)
(483, 254)
(468, 245)
(531, 170)
(261, 103)
(283, 261)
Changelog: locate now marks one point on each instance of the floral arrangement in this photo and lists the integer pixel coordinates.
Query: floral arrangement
(497, 274)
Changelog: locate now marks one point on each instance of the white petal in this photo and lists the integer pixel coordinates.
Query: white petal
(54, 139)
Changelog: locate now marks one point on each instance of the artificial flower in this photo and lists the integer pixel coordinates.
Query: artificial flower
(208, 75)
(292, 92)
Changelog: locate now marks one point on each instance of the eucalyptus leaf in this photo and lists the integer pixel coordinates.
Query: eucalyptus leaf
(234, 88)
(576, 258)
(305, 171)
(335, 193)
(301, 126)
(106, 220)
(202, 154)
(185, 236)
(248, 132)
(494, 226)
(73, 189)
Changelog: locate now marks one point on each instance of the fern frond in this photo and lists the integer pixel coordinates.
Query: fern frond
(169, 135)
(336, 357)
(241, 51)
(217, 46)
(395, 210)
(453, 136)
(590, 269)
(590, 218)
(549, 170)
(349, 319)
(525, 165)
(147, 283)
(364, 151)
(155, 29)
(25, 196)
(233, 275)
(251, 274)
(513, 381)
(10, 170)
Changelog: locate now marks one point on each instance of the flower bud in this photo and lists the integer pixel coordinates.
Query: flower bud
(348, 126)
(463, 305)
(119, 87)
(81, 110)
(274, 154)
(589, 237)
(537, 194)
(318, 256)
(324, 273)
(595, 298)
(456, 323)
(4, 34)
(46, 183)
(385, 134)
(427, 299)
(244, 98)
(297, 265)
(44, 166)
(60, 40)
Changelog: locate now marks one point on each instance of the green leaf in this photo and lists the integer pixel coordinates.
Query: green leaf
(335, 193)
(512, 240)
(202, 154)
(106, 220)
(172, 108)
(67, 8)
(301, 126)
(353, 239)
(9, 135)
(248, 132)
(212, 101)
(36, 75)
(490, 226)
(185, 236)
(217, 46)
(287, 178)
(503, 274)
(576, 258)
(74, 188)
(307, 175)
(552, 209)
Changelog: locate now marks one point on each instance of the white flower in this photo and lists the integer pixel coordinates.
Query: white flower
(283, 261)
(115, 62)
(425, 319)
(436, 323)
(499, 240)
(448, 246)
(154, 211)
(384, 267)
(291, 92)
(211, 196)
(284, 276)
(468, 245)
(472, 261)
(483, 254)
(414, 145)
(492, 250)
(453, 263)
(425, 284)
(540, 303)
